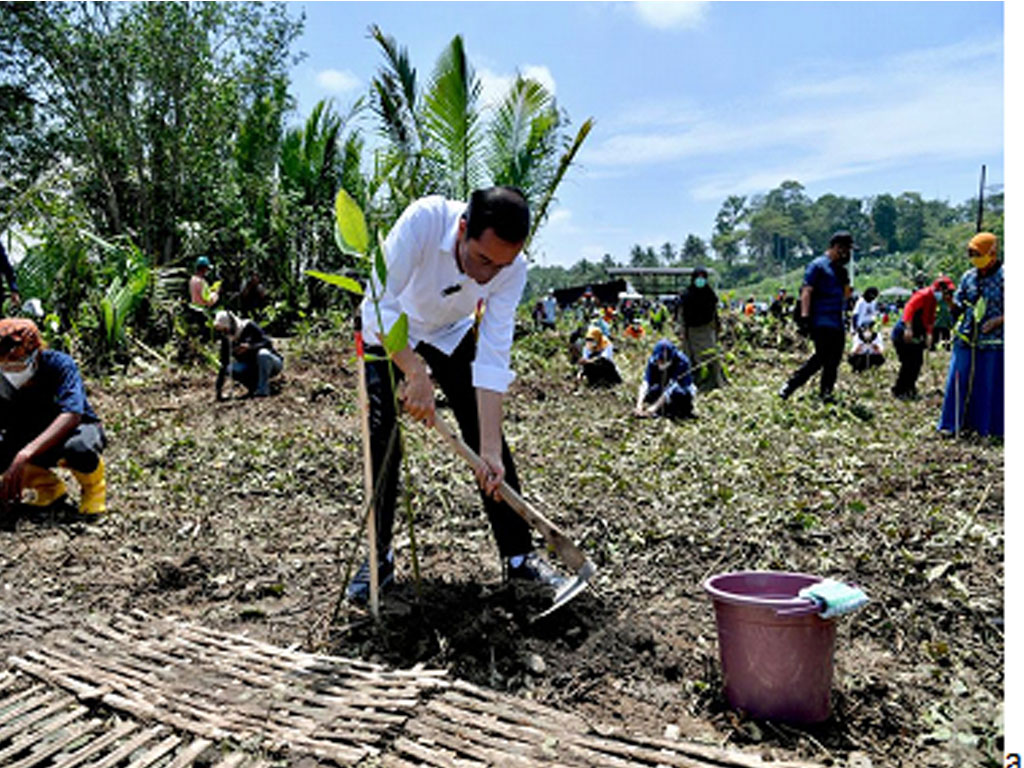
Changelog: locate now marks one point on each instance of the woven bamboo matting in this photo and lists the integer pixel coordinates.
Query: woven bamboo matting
(143, 691)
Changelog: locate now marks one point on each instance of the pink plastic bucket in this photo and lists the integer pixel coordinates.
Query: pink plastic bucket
(776, 651)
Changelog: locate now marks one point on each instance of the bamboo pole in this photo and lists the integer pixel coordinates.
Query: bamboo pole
(364, 428)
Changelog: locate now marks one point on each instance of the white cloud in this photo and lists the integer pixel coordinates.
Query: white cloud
(920, 105)
(337, 81)
(560, 216)
(494, 86)
(669, 15)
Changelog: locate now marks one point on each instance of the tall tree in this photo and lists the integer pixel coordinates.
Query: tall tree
(728, 233)
(883, 219)
(910, 221)
(668, 254)
(694, 251)
(149, 98)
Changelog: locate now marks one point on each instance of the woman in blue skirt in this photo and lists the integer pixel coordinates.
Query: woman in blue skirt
(974, 388)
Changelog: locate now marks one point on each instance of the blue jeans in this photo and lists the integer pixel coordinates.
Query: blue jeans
(256, 376)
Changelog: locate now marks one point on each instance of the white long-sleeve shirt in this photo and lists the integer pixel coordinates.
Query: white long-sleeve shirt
(864, 312)
(425, 282)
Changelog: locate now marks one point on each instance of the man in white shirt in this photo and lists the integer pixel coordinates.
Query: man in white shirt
(446, 262)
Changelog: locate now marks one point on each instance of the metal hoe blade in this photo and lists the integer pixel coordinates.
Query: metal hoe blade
(571, 589)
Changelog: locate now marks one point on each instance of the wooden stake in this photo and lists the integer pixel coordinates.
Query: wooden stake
(364, 428)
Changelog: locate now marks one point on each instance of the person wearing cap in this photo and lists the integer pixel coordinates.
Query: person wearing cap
(597, 363)
(823, 295)
(914, 331)
(200, 293)
(9, 276)
(445, 260)
(247, 355)
(46, 420)
(974, 387)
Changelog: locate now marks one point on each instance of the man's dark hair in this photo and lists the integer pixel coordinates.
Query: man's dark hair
(842, 236)
(503, 209)
(871, 294)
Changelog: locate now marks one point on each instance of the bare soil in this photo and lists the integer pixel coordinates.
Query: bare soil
(244, 515)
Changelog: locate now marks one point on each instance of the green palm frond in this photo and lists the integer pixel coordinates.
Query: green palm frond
(451, 118)
(395, 96)
(522, 136)
(541, 211)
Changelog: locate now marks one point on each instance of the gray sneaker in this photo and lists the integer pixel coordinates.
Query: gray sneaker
(358, 590)
(534, 568)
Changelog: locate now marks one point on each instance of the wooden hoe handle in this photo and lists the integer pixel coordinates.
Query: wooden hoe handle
(567, 552)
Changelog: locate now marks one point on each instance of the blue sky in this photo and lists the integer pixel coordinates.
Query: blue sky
(693, 102)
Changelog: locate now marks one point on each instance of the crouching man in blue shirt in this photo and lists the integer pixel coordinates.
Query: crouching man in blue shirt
(45, 420)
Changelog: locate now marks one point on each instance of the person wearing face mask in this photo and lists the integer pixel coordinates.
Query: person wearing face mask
(914, 332)
(446, 260)
(46, 420)
(866, 350)
(822, 298)
(666, 388)
(597, 363)
(698, 331)
(974, 387)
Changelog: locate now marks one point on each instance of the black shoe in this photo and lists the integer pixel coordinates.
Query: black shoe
(358, 590)
(534, 568)
(828, 398)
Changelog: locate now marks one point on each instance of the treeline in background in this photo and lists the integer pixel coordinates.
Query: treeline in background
(762, 243)
(135, 137)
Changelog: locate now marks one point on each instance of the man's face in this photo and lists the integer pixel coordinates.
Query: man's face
(482, 258)
(19, 368)
(840, 252)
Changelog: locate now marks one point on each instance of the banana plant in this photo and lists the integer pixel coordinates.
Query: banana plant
(353, 238)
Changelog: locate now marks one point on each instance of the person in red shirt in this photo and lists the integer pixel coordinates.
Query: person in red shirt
(915, 330)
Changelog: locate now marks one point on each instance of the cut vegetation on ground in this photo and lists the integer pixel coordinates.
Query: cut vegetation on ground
(241, 516)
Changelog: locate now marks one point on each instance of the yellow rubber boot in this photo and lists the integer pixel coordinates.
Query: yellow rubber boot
(40, 487)
(94, 490)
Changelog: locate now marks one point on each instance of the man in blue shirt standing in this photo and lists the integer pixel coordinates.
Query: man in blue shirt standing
(822, 298)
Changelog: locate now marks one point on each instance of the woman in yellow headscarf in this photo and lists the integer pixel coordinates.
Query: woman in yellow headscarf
(597, 363)
(974, 387)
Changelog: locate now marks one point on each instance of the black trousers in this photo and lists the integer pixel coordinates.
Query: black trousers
(454, 376)
(602, 373)
(911, 359)
(829, 344)
(861, 363)
(81, 451)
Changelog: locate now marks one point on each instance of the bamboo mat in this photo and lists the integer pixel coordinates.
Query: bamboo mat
(144, 691)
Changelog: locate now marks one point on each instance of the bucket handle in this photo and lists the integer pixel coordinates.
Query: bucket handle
(809, 607)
